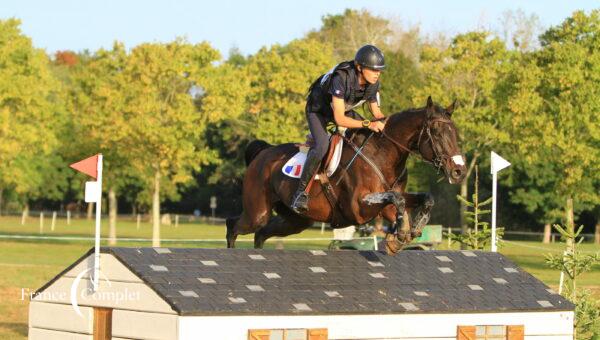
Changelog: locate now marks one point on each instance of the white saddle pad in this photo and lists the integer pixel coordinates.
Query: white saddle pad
(294, 166)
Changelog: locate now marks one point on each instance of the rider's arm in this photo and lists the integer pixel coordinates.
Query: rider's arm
(340, 118)
(375, 110)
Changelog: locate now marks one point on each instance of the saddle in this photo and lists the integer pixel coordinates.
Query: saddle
(293, 167)
(329, 164)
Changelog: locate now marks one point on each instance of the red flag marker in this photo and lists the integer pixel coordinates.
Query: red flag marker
(92, 166)
(88, 166)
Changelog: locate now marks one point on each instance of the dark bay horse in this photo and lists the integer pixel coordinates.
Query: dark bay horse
(373, 184)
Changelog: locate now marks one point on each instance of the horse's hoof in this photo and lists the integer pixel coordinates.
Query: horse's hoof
(415, 234)
(392, 245)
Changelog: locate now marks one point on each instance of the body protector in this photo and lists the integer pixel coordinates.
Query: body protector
(319, 96)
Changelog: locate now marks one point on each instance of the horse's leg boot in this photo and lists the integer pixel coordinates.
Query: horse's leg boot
(300, 200)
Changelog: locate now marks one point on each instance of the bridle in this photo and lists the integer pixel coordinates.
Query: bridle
(439, 157)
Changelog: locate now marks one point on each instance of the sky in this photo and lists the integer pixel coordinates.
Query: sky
(248, 25)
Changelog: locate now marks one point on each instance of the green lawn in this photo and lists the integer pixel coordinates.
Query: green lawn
(28, 264)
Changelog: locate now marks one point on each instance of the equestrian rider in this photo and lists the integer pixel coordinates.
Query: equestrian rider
(332, 97)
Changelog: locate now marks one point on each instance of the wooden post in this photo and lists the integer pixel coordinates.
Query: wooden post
(102, 323)
(597, 234)
(176, 221)
(322, 228)
(156, 210)
(53, 221)
(41, 222)
(547, 232)
(138, 221)
(68, 217)
(449, 240)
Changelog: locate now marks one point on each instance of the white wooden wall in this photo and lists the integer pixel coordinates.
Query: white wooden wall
(141, 315)
(538, 326)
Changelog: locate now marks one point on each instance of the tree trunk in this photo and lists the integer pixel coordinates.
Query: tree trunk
(571, 242)
(547, 233)
(597, 233)
(156, 211)
(570, 222)
(112, 217)
(90, 211)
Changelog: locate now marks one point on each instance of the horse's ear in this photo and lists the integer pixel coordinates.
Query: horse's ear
(451, 108)
(430, 108)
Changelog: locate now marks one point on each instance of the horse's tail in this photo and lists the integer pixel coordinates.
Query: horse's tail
(254, 148)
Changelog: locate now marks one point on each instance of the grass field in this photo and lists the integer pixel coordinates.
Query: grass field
(27, 264)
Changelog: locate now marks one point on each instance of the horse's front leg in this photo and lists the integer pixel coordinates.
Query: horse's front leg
(385, 198)
(419, 204)
(395, 238)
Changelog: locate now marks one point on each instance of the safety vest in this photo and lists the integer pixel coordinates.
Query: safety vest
(319, 99)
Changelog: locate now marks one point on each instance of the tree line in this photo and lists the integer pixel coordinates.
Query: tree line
(172, 119)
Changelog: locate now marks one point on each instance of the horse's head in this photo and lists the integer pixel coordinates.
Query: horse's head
(438, 141)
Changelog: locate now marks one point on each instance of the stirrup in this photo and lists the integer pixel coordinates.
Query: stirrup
(300, 202)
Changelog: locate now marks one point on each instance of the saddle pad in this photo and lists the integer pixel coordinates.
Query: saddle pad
(294, 166)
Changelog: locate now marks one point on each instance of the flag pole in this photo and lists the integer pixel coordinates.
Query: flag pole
(494, 188)
(498, 163)
(96, 278)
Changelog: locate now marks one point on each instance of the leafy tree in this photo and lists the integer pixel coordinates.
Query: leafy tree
(398, 83)
(101, 122)
(279, 80)
(573, 263)
(167, 126)
(346, 33)
(29, 105)
(554, 107)
(469, 70)
(519, 30)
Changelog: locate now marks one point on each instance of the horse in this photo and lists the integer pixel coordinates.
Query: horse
(370, 181)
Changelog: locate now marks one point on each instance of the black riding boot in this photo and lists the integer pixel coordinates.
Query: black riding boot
(300, 199)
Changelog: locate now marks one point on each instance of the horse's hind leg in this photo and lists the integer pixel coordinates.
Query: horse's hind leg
(285, 223)
(245, 224)
(231, 235)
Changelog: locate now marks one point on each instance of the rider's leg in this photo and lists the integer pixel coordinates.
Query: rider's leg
(316, 124)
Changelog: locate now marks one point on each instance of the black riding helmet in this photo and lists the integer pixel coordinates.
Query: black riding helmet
(371, 57)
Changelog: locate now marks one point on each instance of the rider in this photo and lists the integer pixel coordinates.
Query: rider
(332, 97)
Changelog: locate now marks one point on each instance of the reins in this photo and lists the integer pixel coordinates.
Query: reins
(437, 161)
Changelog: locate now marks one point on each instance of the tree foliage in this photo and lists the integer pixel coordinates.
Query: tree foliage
(29, 106)
(554, 104)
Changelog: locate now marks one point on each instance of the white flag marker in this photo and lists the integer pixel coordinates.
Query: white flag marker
(498, 163)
